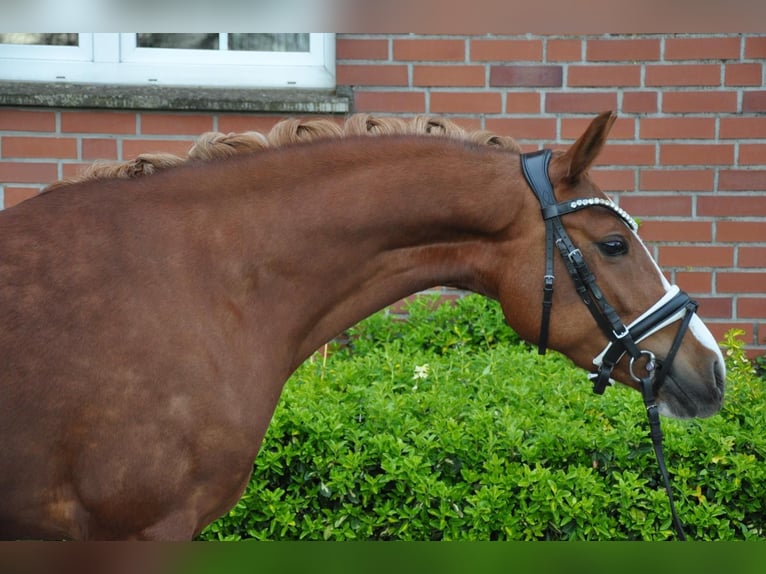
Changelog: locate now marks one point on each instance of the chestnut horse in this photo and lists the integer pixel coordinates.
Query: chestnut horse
(148, 324)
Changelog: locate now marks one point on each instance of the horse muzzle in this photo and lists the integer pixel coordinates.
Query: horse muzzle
(686, 393)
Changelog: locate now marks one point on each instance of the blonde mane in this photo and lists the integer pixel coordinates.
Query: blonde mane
(216, 145)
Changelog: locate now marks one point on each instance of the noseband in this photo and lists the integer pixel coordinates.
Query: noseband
(623, 339)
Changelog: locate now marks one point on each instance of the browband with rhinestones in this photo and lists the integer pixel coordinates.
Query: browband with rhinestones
(564, 207)
(591, 201)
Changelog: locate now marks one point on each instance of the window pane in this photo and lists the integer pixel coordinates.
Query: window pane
(269, 42)
(40, 39)
(178, 41)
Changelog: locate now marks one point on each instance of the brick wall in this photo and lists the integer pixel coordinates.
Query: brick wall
(687, 155)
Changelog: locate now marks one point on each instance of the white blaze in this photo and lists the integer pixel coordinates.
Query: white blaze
(696, 326)
(698, 329)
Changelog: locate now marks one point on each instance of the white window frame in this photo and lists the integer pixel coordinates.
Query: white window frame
(111, 58)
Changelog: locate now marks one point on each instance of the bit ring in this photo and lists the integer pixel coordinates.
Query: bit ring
(650, 365)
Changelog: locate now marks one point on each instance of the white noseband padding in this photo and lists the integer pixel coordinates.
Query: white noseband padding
(669, 294)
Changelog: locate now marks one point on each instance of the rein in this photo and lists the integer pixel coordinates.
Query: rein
(623, 339)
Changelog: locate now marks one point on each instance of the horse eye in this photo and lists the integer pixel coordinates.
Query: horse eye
(613, 247)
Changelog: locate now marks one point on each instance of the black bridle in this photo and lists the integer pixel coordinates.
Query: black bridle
(623, 339)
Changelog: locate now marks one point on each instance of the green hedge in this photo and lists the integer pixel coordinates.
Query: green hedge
(447, 427)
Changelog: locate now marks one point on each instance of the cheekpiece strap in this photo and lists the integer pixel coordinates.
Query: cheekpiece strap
(534, 166)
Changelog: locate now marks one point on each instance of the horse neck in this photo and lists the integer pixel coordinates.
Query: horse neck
(342, 229)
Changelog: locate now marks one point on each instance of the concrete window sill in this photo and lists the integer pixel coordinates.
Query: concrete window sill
(63, 95)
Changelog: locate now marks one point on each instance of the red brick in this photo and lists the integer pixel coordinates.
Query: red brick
(741, 231)
(743, 128)
(626, 154)
(690, 102)
(751, 307)
(715, 307)
(39, 147)
(524, 128)
(744, 74)
(445, 76)
(754, 101)
(429, 50)
(27, 121)
(752, 154)
(522, 103)
(97, 148)
(619, 50)
(27, 172)
(654, 205)
(740, 282)
(466, 102)
(390, 102)
(742, 180)
(614, 179)
(173, 124)
(731, 206)
(526, 76)
(677, 128)
(754, 353)
(719, 329)
(244, 122)
(695, 282)
(755, 47)
(573, 128)
(361, 49)
(564, 50)
(753, 257)
(132, 148)
(683, 75)
(579, 102)
(15, 195)
(702, 48)
(697, 231)
(696, 256)
(639, 102)
(506, 50)
(73, 169)
(98, 122)
(696, 154)
(371, 75)
(676, 180)
(470, 124)
(601, 76)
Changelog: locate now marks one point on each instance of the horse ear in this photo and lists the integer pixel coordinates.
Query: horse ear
(578, 158)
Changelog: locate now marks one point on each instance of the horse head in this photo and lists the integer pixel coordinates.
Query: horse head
(606, 303)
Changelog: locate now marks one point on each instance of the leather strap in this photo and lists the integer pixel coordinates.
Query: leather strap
(534, 166)
(655, 433)
(622, 339)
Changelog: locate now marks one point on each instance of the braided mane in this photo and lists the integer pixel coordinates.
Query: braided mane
(216, 145)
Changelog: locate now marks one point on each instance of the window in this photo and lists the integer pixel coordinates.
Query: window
(300, 60)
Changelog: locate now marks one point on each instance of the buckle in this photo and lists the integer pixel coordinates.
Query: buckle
(575, 256)
(620, 336)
